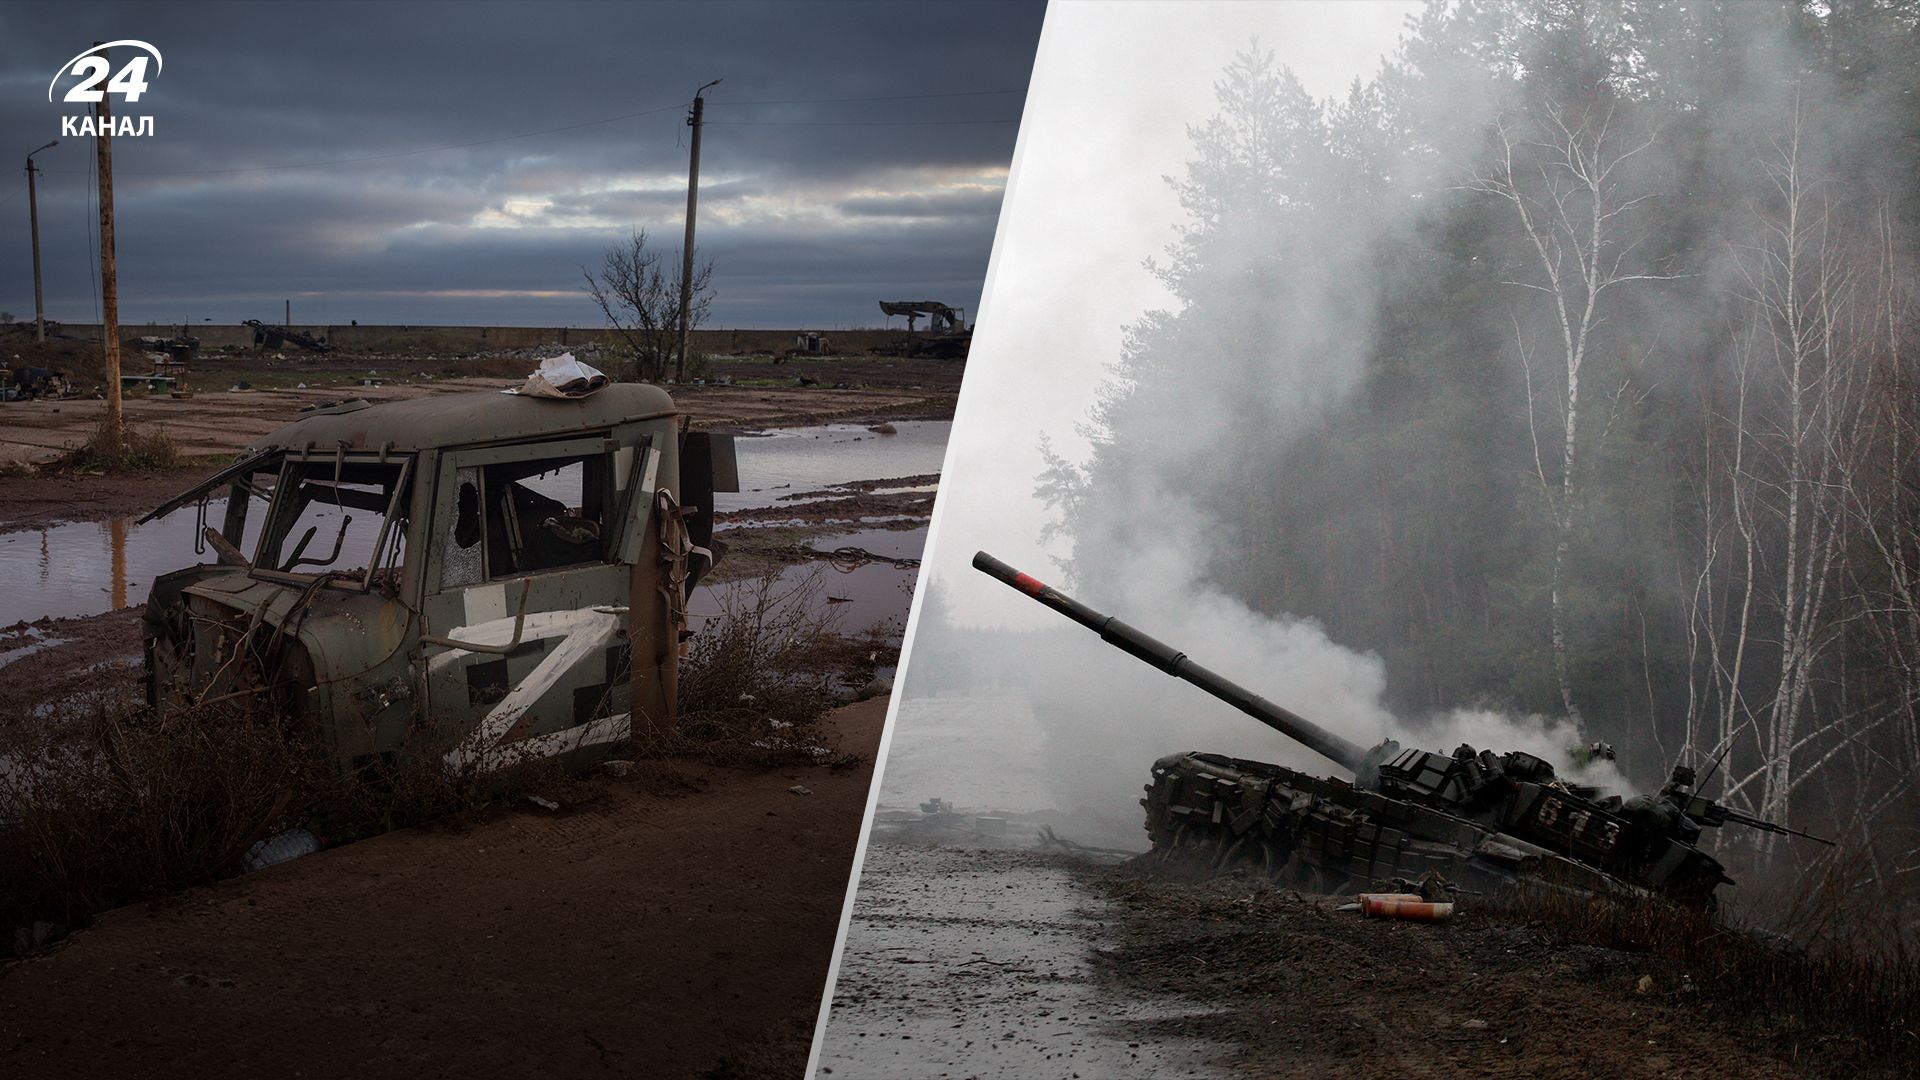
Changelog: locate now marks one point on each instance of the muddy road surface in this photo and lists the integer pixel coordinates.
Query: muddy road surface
(979, 963)
(994, 963)
(676, 924)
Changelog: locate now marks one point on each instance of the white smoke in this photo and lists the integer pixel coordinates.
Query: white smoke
(1108, 716)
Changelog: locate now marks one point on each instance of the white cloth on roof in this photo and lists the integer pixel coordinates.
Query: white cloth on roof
(561, 377)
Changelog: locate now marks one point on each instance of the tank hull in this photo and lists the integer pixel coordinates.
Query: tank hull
(1326, 834)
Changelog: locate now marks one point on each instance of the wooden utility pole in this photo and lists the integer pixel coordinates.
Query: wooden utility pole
(33, 219)
(686, 252)
(113, 431)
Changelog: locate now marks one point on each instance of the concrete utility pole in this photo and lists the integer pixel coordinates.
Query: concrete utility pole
(33, 218)
(109, 275)
(686, 253)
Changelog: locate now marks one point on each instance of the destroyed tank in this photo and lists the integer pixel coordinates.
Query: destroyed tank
(1472, 819)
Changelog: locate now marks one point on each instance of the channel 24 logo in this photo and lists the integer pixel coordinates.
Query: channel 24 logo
(97, 79)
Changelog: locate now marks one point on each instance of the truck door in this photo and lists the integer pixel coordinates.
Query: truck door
(527, 653)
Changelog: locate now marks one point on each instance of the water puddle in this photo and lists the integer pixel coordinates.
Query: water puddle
(88, 567)
(788, 461)
(860, 593)
(24, 644)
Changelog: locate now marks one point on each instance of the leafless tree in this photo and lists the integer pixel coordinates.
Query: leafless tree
(638, 290)
(1787, 503)
(1567, 183)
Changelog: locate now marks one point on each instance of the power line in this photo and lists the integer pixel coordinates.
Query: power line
(858, 123)
(887, 97)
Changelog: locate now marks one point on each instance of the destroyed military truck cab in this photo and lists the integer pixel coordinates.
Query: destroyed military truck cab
(497, 577)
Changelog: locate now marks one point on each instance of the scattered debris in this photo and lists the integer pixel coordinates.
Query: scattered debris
(40, 933)
(272, 337)
(561, 377)
(285, 847)
(799, 789)
(1047, 838)
(1406, 906)
(544, 803)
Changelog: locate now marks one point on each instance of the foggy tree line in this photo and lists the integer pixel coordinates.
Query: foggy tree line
(1569, 364)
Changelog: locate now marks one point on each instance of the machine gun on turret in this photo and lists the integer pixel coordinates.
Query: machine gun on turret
(1475, 817)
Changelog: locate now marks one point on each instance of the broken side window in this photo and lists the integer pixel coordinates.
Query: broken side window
(543, 514)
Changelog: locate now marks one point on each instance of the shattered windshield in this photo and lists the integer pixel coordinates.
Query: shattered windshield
(331, 517)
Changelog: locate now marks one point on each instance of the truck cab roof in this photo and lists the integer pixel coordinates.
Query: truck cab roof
(442, 420)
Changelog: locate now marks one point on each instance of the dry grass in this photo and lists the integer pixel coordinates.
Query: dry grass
(103, 804)
(757, 680)
(138, 449)
(1835, 982)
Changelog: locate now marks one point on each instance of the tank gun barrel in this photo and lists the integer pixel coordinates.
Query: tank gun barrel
(1176, 663)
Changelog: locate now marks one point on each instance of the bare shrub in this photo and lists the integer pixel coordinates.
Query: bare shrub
(756, 679)
(139, 448)
(638, 291)
(103, 804)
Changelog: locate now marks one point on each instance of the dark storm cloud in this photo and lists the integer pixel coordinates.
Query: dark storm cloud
(808, 206)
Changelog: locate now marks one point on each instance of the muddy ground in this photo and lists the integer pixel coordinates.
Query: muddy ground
(996, 963)
(220, 419)
(678, 923)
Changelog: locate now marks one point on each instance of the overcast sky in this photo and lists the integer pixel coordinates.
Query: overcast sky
(812, 209)
(1115, 86)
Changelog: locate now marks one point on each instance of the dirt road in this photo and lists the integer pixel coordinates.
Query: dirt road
(995, 963)
(671, 927)
(974, 963)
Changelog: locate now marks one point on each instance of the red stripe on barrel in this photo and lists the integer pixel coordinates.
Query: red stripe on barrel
(1032, 586)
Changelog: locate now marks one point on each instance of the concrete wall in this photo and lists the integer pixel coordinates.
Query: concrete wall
(459, 339)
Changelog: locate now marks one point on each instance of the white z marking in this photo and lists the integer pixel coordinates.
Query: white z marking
(584, 633)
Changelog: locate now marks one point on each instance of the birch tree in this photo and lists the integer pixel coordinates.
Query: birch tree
(1777, 518)
(1566, 179)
